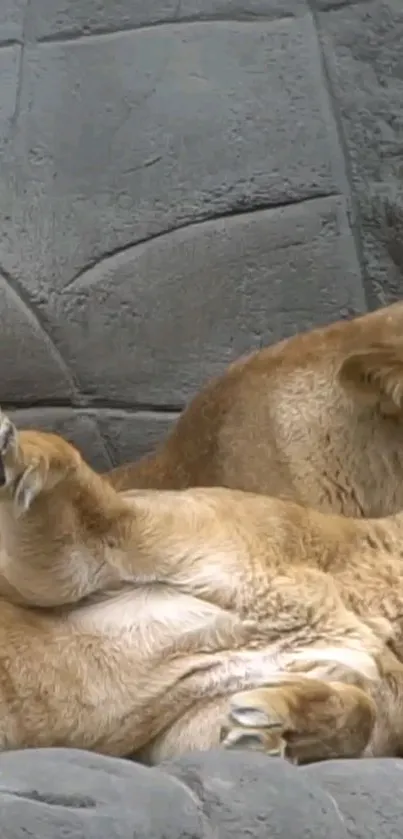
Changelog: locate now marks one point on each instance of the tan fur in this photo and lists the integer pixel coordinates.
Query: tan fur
(303, 607)
(316, 419)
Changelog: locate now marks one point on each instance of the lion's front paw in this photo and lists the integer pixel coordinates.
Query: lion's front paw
(257, 720)
(8, 450)
(300, 719)
(22, 472)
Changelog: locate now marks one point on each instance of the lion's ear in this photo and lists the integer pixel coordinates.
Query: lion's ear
(376, 375)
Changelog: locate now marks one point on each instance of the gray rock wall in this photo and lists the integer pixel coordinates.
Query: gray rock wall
(182, 181)
(63, 794)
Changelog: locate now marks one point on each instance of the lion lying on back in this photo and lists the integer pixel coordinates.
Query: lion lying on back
(164, 621)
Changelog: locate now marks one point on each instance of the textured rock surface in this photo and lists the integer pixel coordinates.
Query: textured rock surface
(181, 181)
(76, 795)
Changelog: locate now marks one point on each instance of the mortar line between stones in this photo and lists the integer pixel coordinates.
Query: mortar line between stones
(102, 31)
(10, 42)
(343, 4)
(355, 220)
(209, 218)
(14, 118)
(18, 290)
(141, 409)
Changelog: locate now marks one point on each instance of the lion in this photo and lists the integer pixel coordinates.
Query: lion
(152, 622)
